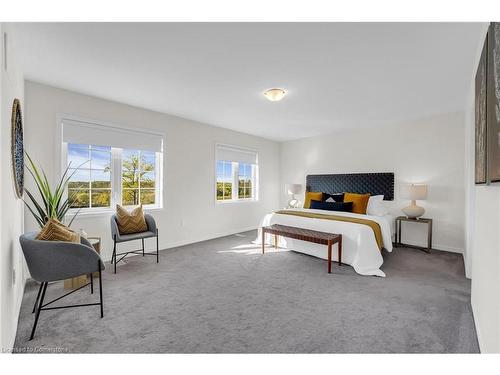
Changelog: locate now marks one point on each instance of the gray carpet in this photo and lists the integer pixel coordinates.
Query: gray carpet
(223, 296)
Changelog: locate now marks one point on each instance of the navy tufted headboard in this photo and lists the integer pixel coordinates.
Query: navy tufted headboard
(361, 183)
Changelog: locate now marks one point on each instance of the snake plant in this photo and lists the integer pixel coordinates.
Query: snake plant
(53, 204)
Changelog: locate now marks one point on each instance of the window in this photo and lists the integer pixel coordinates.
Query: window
(245, 172)
(104, 175)
(90, 171)
(224, 180)
(236, 174)
(138, 177)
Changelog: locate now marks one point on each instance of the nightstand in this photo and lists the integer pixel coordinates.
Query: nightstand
(422, 220)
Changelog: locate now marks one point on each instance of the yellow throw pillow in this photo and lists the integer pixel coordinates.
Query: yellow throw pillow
(312, 196)
(359, 202)
(130, 222)
(54, 230)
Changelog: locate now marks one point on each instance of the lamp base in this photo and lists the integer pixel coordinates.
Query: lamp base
(413, 211)
(293, 202)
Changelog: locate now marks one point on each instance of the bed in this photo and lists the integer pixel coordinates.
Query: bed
(361, 249)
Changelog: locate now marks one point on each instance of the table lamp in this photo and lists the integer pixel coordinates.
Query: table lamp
(293, 189)
(414, 192)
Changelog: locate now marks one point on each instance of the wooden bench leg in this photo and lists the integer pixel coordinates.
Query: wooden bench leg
(340, 251)
(329, 257)
(275, 241)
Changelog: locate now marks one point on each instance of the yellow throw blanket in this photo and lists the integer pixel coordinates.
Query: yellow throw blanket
(372, 224)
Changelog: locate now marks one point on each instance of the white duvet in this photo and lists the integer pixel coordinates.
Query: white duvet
(359, 247)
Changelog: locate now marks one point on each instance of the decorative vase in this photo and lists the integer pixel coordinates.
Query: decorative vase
(83, 233)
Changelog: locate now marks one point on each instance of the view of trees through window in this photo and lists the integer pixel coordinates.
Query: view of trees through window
(224, 180)
(227, 172)
(245, 181)
(138, 177)
(90, 185)
(91, 166)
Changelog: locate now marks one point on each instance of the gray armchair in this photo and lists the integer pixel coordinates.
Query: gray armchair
(53, 260)
(118, 238)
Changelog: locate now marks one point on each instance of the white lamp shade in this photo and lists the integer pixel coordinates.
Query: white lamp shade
(414, 192)
(294, 188)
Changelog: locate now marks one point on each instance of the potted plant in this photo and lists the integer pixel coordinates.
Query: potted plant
(53, 204)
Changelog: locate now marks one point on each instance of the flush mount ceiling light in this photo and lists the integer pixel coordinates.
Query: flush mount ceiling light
(275, 95)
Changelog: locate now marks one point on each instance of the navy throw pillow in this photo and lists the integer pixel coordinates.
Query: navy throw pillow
(331, 206)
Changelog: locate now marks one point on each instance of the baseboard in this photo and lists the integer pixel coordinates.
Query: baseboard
(478, 331)
(439, 247)
(468, 274)
(450, 249)
(172, 245)
(17, 309)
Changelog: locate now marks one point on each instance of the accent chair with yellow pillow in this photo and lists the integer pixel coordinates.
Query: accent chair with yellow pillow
(57, 253)
(312, 196)
(54, 230)
(129, 226)
(359, 202)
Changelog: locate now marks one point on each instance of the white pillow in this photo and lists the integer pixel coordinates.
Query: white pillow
(376, 207)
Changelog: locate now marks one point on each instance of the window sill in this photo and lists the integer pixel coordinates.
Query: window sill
(105, 212)
(236, 201)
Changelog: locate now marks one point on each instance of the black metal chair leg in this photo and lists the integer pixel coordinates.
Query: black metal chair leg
(142, 246)
(37, 297)
(100, 291)
(38, 311)
(114, 253)
(91, 283)
(157, 248)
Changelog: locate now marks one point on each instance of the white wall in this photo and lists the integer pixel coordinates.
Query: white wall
(482, 238)
(426, 151)
(11, 208)
(190, 213)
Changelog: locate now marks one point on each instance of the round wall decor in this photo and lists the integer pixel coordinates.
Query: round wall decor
(17, 148)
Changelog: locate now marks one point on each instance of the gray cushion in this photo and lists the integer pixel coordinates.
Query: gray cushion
(135, 236)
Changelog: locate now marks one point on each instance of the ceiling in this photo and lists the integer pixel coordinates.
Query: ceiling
(338, 75)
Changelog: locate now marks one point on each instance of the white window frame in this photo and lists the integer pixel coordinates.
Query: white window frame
(73, 210)
(157, 190)
(255, 169)
(116, 168)
(235, 176)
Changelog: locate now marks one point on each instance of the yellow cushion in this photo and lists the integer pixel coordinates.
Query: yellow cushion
(54, 230)
(359, 202)
(312, 196)
(130, 222)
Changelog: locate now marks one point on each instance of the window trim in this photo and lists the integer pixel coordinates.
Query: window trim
(62, 160)
(255, 174)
